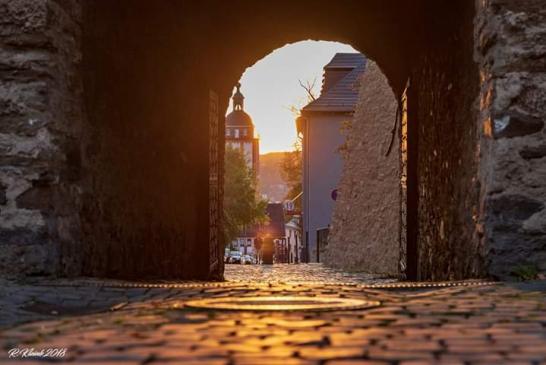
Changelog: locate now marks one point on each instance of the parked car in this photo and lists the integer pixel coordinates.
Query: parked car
(247, 260)
(234, 257)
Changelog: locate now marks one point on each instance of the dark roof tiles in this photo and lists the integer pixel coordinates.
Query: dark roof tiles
(343, 96)
(238, 118)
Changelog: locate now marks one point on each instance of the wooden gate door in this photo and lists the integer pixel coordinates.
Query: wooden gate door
(403, 225)
(216, 262)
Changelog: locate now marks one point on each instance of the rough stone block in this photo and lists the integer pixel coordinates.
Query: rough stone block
(22, 16)
(29, 259)
(516, 124)
(533, 152)
(514, 207)
(23, 99)
(24, 236)
(3, 199)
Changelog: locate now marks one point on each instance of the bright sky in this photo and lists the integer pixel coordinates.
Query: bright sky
(271, 86)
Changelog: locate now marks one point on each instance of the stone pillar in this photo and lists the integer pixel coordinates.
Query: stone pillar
(40, 111)
(365, 223)
(510, 38)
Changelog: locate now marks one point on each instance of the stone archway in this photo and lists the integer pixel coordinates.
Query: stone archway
(108, 172)
(209, 80)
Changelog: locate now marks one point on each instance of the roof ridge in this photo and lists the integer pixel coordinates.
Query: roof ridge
(345, 60)
(351, 53)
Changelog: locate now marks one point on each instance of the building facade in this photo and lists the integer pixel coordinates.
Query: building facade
(321, 125)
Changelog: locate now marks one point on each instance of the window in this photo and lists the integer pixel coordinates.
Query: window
(236, 133)
(245, 132)
(228, 132)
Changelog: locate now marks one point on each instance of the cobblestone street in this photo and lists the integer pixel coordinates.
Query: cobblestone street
(114, 322)
(299, 274)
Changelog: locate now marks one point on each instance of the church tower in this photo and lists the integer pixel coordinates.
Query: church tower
(240, 131)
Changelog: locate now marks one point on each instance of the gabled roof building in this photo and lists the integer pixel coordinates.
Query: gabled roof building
(320, 125)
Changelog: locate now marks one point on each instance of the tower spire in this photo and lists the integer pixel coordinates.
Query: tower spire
(238, 98)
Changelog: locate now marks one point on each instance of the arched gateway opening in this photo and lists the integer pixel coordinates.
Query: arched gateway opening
(112, 159)
(313, 119)
(157, 77)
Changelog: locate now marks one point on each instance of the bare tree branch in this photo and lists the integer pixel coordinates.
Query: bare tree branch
(309, 88)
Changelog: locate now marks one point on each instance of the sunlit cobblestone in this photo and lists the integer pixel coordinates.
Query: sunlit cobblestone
(301, 273)
(113, 324)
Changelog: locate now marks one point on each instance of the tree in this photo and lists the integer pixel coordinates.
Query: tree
(291, 173)
(242, 207)
(291, 165)
(309, 88)
(311, 95)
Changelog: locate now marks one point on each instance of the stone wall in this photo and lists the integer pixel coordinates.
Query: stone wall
(442, 111)
(40, 110)
(511, 51)
(365, 222)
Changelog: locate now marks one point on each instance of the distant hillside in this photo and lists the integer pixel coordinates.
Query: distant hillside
(271, 184)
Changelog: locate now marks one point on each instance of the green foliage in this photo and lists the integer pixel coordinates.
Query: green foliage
(525, 272)
(291, 173)
(242, 207)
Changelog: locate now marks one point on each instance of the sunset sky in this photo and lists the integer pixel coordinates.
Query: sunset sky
(271, 86)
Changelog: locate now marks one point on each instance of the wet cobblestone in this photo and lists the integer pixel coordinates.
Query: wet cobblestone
(115, 323)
